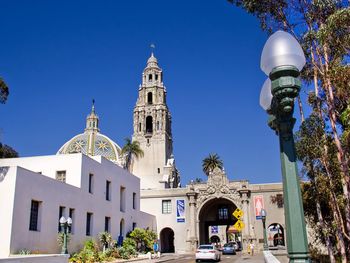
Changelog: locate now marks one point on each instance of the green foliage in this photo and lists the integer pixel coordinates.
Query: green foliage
(60, 238)
(4, 91)
(143, 238)
(105, 239)
(131, 149)
(89, 253)
(24, 251)
(7, 152)
(211, 162)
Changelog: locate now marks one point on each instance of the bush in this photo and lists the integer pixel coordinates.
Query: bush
(89, 253)
(24, 252)
(144, 239)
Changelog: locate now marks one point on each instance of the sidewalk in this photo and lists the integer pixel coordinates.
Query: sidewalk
(258, 258)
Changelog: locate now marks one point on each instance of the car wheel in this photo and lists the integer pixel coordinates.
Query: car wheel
(197, 260)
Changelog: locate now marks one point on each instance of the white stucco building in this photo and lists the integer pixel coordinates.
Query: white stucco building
(36, 191)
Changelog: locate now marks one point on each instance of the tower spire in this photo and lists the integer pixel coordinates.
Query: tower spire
(92, 120)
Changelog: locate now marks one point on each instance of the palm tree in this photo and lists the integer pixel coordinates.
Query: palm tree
(211, 162)
(131, 149)
(4, 91)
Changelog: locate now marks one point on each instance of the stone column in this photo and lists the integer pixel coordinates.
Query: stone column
(192, 204)
(246, 235)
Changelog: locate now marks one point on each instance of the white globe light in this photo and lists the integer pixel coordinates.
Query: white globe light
(69, 221)
(265, 95)
(281, 49)
(63, 220)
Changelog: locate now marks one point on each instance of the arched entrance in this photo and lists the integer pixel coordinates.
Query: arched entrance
(215, 239)
(167, 240)
(276, 235)
(215, 212)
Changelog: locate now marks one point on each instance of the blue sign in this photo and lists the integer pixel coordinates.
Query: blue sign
(180, 211)
(214, 229)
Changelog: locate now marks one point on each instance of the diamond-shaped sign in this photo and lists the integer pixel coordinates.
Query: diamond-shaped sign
(239, 225)
(238, 213)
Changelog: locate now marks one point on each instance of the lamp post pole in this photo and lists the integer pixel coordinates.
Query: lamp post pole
(263, 219)
(65, 225)
(282, 59)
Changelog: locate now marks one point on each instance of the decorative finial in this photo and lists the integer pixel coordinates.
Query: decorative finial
(152, 46)
(93, 106)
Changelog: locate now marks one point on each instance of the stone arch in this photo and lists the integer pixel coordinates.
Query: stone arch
(167, 236)
(215, 211)
(275, 235)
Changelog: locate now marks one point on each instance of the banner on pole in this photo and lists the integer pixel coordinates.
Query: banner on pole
(258, 205)
(180, 211)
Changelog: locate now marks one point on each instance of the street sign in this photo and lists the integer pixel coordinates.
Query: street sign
(238, 213)
(239, 225)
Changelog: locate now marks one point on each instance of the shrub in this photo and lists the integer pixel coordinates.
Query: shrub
(105, 239)
(24, 251)
(144, 239)
(89, 253)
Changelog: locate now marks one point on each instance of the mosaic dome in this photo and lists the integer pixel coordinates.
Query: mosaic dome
(92, 142)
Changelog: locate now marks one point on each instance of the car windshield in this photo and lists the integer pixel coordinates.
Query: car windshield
(228, 245)
(206, 247)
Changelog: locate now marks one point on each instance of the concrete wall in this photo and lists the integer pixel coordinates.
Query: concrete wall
(21, 186)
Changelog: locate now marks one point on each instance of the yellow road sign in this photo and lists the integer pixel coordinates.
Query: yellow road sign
(238, 213)
(239, 225)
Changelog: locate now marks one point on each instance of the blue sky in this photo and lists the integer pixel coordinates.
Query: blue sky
(57, 55)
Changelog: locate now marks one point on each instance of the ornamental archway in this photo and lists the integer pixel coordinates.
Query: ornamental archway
(215, 212)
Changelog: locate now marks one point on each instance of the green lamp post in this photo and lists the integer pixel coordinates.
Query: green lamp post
(282, 59)
(65, 226)
(263, 219)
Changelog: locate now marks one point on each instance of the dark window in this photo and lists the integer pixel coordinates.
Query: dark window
(133, 225)
(159, 170)
(149, 124)
(91, 181)
(140, 126)
(149, 97)
(60, 214)
(61, 176)
(156, 76)
(88, 224)
(108, 192)
(223, 213)
(150, 77)
(71, 215)
(107, 224)
(122, 199)
(34, 216)
(134, 200)
(166, 206)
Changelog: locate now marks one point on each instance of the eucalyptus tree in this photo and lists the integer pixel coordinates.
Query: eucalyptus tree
(4, 91)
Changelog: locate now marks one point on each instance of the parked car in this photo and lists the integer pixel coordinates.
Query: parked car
(229, 248)
(208, 252)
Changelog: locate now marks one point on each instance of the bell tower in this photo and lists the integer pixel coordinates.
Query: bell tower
(152, 129)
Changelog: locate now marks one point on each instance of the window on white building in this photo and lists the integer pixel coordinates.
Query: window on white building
(108, 190)
(71, 215)
(107, 224)
(34, 215)
(91, 183)
(166, 206)
(122, 199)
(134, 200)
(89, 223)
(61, 176)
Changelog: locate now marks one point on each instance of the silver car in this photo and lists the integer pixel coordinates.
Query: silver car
(208, 252)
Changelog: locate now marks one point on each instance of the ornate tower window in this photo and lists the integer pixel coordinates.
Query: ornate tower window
(156, 76)
(150, 77)
(149, 124)
(149, 98)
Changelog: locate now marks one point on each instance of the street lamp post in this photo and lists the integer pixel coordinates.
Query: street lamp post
(282, 59)
(65, 225)
(263, 219)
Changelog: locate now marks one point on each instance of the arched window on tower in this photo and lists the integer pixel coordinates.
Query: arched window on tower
(149, 124)
(139, 126)
(156, 76)
(149, 98)
(150, 77)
